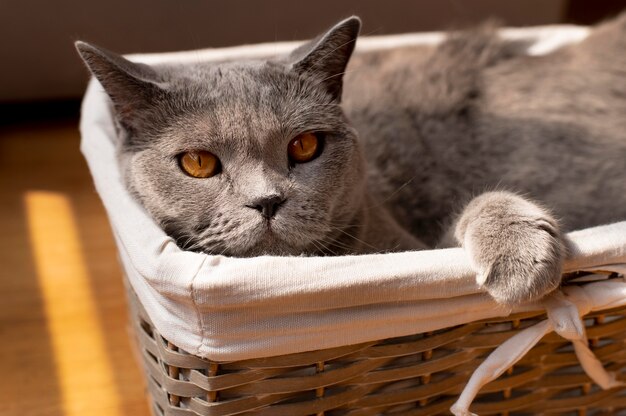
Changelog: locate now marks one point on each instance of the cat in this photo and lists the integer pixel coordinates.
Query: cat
(469, 143)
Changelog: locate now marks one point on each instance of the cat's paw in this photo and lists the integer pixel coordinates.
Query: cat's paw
(515, 245)
(524, 268)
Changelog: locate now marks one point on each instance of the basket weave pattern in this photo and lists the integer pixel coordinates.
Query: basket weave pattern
(421, 374)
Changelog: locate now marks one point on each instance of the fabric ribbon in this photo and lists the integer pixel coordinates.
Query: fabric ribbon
(564, 309)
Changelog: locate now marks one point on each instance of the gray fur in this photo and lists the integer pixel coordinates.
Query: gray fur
(436, 127)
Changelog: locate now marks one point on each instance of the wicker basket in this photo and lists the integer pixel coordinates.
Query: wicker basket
(421, 374)
(238, 310)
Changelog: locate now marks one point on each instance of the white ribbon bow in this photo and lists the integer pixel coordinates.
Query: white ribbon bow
(565, 309)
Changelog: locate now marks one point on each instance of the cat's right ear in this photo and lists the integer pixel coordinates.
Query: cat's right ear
(134, 88)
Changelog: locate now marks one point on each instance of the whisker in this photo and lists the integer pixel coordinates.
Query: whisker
(395, 192)
(321, 247)
(355, 238)
(338, 244)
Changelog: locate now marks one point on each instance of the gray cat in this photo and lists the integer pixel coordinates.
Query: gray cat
(262, 156)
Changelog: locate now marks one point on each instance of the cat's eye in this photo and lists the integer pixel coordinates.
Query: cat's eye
(303, 148)
(199, 164)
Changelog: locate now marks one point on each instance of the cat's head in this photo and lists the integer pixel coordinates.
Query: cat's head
(245, 157)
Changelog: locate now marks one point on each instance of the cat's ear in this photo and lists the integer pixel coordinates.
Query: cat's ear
(325, 58)
(134, 88)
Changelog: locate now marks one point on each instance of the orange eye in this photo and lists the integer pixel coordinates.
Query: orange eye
(303, 148)
(200, 164)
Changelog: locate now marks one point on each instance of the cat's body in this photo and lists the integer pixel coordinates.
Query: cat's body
(475, 116)
(419, 133)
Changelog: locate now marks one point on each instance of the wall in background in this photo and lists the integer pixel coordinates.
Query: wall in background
(39, 61)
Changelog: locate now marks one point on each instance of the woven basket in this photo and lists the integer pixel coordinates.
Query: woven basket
(421, 374)
(238, 310)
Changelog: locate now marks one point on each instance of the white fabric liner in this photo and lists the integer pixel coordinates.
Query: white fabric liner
(228, 309)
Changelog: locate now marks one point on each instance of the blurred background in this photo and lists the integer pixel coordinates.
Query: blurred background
(65, 350)
(39, 62)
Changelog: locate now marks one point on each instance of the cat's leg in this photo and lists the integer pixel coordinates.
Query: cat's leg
(515, 245)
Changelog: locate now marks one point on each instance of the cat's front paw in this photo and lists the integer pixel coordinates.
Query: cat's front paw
(525, 267)
(515, 245)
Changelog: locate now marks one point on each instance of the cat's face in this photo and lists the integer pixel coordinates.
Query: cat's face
(258, 199)
(246, 115)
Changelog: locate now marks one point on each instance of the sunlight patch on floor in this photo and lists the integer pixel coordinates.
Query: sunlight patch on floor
(84, 368)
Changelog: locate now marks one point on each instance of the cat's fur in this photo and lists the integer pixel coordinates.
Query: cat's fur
(420, 132)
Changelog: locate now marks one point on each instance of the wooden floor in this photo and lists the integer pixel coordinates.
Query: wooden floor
(64, 346)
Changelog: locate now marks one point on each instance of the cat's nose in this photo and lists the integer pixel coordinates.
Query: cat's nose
(267, 206)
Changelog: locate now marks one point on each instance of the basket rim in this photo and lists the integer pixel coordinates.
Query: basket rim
(204, 303)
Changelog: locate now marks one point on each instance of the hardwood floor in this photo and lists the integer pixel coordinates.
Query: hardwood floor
(65, 348)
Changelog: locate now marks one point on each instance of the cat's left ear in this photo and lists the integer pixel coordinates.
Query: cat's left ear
(324, 59)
